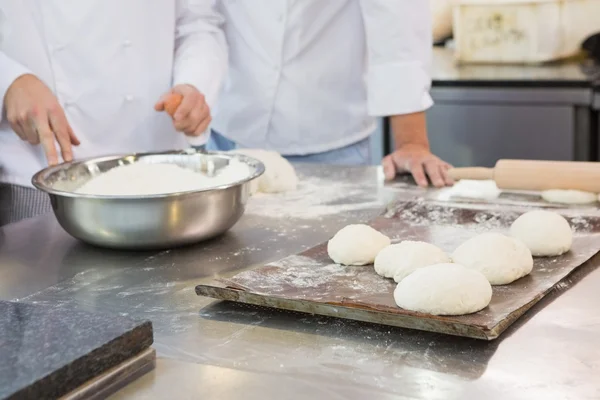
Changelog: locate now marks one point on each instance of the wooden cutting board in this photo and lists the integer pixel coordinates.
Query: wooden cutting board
(312, 283)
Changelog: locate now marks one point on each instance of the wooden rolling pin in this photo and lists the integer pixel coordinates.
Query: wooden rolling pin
(536, 175)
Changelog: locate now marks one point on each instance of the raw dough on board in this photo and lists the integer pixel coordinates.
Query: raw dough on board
(545, 233)
(444, 289)
(356, 245)
(400, 260)
(501, 259)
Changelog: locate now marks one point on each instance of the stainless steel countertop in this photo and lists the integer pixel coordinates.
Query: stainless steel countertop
(222, 350)
(446, 70)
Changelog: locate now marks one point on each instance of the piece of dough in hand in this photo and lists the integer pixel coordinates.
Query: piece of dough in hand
(280, 176)
(545, 233)
(356, 245)
(569, 196)
(444, 289)
(501, 259)
(400, 260)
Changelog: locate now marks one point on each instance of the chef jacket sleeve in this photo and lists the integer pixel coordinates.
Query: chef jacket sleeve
(10, 70)
(399, 44)
(200, 48)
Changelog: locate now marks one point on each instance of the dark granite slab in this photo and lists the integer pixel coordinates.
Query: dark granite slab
(47, 351)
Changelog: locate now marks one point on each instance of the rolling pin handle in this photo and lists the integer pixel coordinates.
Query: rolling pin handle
(475, 173)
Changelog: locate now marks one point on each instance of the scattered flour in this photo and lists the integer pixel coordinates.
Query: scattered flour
(316, 198)
(302, 276)
(141, 179)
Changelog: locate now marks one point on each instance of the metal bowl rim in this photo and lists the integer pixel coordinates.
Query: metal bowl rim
(39, 184)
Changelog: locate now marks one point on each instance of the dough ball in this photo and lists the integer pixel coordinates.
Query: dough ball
(400, 260)
(569, 196)
(356, 245)
(501, 259)
(444, 289)
(280, 175)
(545, 233)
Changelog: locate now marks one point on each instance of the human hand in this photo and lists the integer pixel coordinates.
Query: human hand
(188, 108)
(36, 117)
(420, 162)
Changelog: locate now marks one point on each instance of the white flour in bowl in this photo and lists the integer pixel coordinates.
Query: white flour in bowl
(141, 179)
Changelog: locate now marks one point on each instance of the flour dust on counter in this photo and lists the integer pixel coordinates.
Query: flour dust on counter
(317, 198)
(303, 274)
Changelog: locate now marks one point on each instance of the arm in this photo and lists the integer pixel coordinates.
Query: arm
(399, 42)
(200, 48)
(399, 45)
(199, 67)
(11, 70)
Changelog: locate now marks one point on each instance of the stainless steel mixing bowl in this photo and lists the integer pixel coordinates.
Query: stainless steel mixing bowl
(146, 222)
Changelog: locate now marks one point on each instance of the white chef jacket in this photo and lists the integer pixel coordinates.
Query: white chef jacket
(308, 76)
(108, 62)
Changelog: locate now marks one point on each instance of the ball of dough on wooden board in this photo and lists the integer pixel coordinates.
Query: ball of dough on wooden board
(356, 245)
(280, 176)
(545, 233)
(569, 196)
(501, 259)
(400, 260)
(444, 289)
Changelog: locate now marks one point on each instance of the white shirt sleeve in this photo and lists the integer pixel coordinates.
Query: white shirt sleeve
(200, 48)
(10, 70)
(399, 43)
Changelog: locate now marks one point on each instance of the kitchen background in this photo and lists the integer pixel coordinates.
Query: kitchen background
(512, 79)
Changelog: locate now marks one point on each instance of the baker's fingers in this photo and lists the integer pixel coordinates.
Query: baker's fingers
(189, 102)
(203, 126)
(30, 132)
(47, 138)
(74, 139)
(432, 167)
(416, 169)
(17, 128)
(60, 128)
(389, 168)
(190, 123)
(160, 104)
(444, 171)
